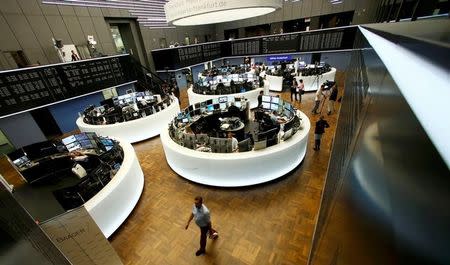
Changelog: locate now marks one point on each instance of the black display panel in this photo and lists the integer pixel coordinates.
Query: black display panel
(191, 55)
(245, 47)
(211, 51)
(320, 40)
(280, 44)
(29, 88)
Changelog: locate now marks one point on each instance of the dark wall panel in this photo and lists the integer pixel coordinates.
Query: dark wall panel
(22, 241)
(386, 194)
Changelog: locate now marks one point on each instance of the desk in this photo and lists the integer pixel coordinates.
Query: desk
(275, 82)
(226, 126)
(112, 205)
(237, 169)
(134, 130)
(252, 96)
(310, 82)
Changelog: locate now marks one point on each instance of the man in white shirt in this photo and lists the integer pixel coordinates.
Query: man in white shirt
(203, 219)
(234, 142)
(318, 99)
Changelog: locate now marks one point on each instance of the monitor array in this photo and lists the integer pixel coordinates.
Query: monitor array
(184, 130)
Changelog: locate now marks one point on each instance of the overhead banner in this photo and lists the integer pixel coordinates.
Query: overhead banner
(280, 58)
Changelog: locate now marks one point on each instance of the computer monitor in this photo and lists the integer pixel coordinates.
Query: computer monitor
(210, 108)
(226, 145)
(287, 134)
(91, 135)
(287, 113)
(189, 140)
(191, 108)
(215, 143)
(203, 104)
(215, 101)
(266, 105)
(275, 100)
(288, 106)
(81, 137)
(244, 145)
(274, 106)
(86, 144)
(39, 150)
(260, 145)
(223, 106)
(272, 140)
(21, 161)
(73, 146)
(101, 109)
(268, 134)
(238, 104)
(202, 138)
(230, 99)
(216, 106)
(223, 99)
(266, 98)
(107, 142)
(197, 112)
(197, 105)
(69, 139)
(209, 102)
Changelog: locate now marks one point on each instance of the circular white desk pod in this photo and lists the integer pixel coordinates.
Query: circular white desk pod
(275, 82)
(134, 130)
(111, 206)
(238, 169)
(251, 95)
(312, 82)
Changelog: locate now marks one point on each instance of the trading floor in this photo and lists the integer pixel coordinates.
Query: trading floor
(272, 223)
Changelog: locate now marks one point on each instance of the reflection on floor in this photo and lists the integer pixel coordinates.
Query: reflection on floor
(271, 223)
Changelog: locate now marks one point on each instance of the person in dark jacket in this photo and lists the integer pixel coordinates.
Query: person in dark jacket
(260, 98)
(321, 124)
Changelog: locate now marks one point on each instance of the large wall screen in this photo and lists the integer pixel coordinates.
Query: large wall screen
(28, 88)
(321, 40)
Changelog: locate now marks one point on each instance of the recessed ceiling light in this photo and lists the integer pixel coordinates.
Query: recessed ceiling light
(199, 12)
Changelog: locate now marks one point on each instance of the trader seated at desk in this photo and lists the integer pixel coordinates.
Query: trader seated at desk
(234, 142)
(234, 111)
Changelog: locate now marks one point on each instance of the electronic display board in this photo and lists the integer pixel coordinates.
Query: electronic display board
(280, 43)
(245, 47)
(28, 88)
(320, 40)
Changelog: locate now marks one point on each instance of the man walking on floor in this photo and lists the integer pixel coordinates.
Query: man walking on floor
(321, 124)
(203, 219)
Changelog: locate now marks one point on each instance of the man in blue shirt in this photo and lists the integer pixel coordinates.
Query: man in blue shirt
(203, 219)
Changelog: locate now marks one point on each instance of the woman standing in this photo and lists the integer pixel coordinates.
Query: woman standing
(294, 90)
(300, 90)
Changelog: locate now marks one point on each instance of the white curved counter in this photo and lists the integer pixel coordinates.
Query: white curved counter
(275, 82)
(311, 81)
(252, 96)
(237, 169)
(111, 206)
(134, 130)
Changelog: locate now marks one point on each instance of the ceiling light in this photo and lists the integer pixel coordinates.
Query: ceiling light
(199, 12)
